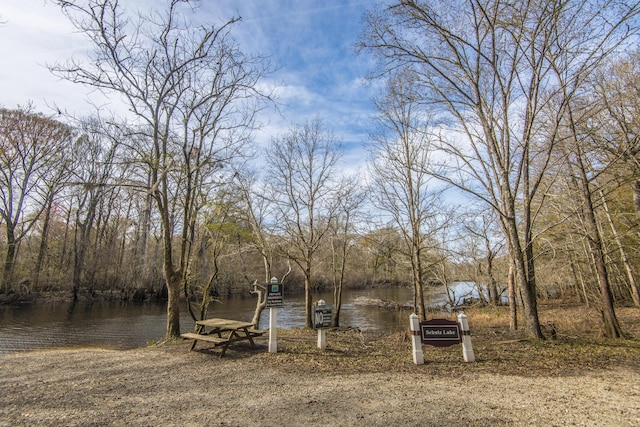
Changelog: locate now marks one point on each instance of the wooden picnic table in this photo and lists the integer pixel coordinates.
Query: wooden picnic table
(223, 332)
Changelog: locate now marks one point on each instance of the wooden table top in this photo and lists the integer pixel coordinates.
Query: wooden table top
(224, 324)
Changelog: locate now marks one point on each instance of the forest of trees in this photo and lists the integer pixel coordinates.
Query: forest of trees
(506, 152)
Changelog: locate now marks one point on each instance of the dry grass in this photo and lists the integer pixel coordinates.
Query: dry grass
(578, 347)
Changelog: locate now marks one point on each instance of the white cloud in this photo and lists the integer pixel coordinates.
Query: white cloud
(32, 38)
(312, 43)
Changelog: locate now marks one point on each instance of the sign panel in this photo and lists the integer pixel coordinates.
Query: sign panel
(440, 332)
(322, 316)
(275, 295)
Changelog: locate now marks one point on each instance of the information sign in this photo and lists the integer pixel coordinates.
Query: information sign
(322, 316)
(440, 332)
(275, 295)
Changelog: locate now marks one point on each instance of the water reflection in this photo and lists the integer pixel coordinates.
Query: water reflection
(123, 325)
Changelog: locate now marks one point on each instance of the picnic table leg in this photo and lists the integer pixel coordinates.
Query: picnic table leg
(230, 337)
(224, 350)
(199, 329)
(249, 337)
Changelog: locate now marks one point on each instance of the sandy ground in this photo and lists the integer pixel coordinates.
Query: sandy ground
(168, 385)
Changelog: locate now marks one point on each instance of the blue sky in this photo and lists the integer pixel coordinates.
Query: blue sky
(312, 43)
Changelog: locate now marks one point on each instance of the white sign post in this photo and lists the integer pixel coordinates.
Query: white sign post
(418, 356)
(467, 348)
(273, 330)
(275, 296)
(319, 323)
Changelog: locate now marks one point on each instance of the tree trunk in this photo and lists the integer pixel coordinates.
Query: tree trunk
(308, 303)
(494, 298)
(579, 286)
(611, 325)
(337, 305)
(173, 304)
(43, 245)
(418, 281)
(636, 198)
(10, 257)
(635, 295)
(513, 308)
(524, 279)
(259, 290)
(65, 253)
(83, 232)
(337, 290)
(173, 276)
(142, 259)
(261, 303)
(79, 250)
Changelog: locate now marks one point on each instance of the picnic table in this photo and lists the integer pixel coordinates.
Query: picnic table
(223, 332)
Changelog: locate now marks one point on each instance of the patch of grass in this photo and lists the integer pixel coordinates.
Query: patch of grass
(498, 350)
(579, 348)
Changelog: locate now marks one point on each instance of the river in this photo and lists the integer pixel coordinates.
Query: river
(124, 325)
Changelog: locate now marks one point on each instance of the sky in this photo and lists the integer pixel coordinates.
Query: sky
(311, 42)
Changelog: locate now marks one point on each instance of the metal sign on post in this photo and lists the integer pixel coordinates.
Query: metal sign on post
(322, 315)
(275, 294)
(275, 299)
(322, 321)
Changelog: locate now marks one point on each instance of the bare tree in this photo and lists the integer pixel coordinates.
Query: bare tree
(616, 126)
(573, 68)
(93, 177)
(484, 245)
(613, 132)
(302, 176)
(218, 227)
(192, 95)
(383, 247)
(488, 67)
(255, 209)
(401, 186)
(343, 238)
(31, 156)
(55, 185)
(624, 257)
(581, 173)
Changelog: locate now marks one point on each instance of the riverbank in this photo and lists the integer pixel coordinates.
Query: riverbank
(359, 379)
(25, 296)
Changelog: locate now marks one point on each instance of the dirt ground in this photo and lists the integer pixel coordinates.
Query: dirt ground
(358, 380)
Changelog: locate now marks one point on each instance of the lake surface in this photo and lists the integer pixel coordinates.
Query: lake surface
(124, 325)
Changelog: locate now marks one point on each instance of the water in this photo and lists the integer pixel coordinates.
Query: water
(124, 325)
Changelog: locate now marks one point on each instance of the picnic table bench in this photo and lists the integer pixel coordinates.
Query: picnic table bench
(223, 332)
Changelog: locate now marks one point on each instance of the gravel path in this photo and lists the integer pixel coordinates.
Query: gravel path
(169, 386)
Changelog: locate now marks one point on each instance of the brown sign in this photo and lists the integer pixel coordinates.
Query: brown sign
(440, 332)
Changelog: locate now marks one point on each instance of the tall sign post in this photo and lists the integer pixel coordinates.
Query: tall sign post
(321, 321)
(418, 356)
(467, 348)
(275, 299)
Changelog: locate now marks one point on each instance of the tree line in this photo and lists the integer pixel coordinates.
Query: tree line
(525, 111)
